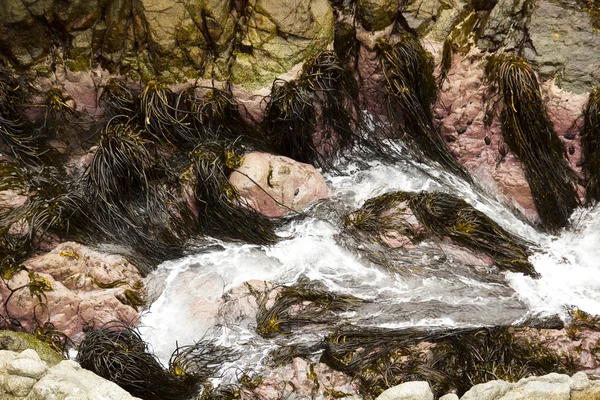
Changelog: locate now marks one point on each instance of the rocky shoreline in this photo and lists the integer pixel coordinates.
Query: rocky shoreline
(164, 62)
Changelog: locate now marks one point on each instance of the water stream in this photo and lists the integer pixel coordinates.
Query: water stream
(422, 287)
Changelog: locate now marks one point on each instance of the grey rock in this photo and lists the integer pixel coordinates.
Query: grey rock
(566, 46)
(28, 367)
(18, 386)
(492, 390)
(547, 387)
(449, 396)
(580, 381)
(590, 392)
(408, 391)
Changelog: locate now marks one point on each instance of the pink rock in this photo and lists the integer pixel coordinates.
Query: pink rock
(306, 380)
(275, 185)
(74, 299)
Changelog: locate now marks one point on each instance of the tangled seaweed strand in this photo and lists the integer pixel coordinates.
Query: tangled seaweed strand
(411, 92)
(460, 358)
(299, 305)
(118, 353)
(17, 134)
(482, 355)
(443, 215)
(529, 133)
(221, 211)
(590, 143)
(117, 99)
(312, 119)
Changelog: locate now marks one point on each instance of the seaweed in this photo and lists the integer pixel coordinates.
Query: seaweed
(450, 360)
(529, 133)
(160, 118)
(18, 136)
(421, 215)
(118, 353)
(487, 354)
(117, 99)
(590, 143)
(299, 305)
(315, 118)
(345, 44)
(411, 92)
(222, 212)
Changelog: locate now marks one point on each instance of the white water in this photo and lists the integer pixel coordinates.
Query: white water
(427, 291)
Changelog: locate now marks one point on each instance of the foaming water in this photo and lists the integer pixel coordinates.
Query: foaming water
(425, 289)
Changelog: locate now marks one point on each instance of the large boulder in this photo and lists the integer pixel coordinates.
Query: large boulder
(275, 185)
(73, 287)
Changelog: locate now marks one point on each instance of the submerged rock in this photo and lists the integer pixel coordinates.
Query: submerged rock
(276, 185)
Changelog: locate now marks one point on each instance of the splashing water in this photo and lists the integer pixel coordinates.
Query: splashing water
(427, 290)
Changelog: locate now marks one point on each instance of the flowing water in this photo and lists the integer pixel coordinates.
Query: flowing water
(425, 286)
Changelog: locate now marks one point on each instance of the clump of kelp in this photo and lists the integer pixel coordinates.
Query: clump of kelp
(411, 92)
(316, 118)
(419, 216)
(304, 303)
(157, 179)
(529, 133)
(117, 352)
(590, 143)
(451, 360)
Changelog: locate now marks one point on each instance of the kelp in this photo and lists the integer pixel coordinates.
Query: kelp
(117, 99)
(411, 92)
(487, 354)
(529, 133)
(590, 144)
(18, 136)
(418, 216)
(118, 353)
(61, 118)
(160, 118)
(217, 115)
(316, 118)
(299, 305)
(345, 44)
(222, 212)
(202, 359)
(291, 120)
(456, 359)
(581, 320)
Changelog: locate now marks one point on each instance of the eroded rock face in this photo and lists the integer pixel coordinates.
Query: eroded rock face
(250, 43)
(72, 287)
(276, 185)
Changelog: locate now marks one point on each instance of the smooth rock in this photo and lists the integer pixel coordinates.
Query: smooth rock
(28, 367)
(275, 185)
(408, 391)
(491, 390)
(449, 396)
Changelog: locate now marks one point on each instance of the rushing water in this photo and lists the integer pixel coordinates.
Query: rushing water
(421, 287)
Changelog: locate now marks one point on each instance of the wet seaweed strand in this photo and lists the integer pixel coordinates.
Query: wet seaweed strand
(590, 143)
(529, 133)
(443, 215)
(411, 92)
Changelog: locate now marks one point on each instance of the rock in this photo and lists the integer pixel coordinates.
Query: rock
(69, 380)
(566, 46)
(408, 391)
(78, 287)
(589, 392)
(275, 185)
(18, 342)
(548, 387)
(18, 386)
(375, 15)
(309, 380)
(449, 396)
(492, 390)
(27, 367)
